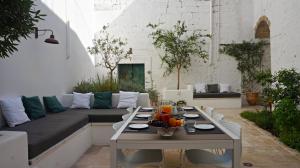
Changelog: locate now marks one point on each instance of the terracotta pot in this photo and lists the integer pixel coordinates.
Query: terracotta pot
(252, 98)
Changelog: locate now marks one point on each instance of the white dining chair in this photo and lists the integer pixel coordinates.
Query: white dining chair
(218, 116)
(212, 113)
(204, 157)
(126, 116)
(116, 126)
(145, 157)
(130, 109)
(209, 111)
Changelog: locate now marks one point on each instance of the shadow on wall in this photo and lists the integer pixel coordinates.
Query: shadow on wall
(39, 68)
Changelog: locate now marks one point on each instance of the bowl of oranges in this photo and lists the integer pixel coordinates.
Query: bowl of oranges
(166, 123)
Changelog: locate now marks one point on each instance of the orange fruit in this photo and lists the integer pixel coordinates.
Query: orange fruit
(178, 123)
(172, 122)
(157, 116)
(166, 109)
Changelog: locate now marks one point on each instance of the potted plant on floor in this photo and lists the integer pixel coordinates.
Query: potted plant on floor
(153, 93)
(265, 79)
(179, 46)
(112, 51)
(249, 55)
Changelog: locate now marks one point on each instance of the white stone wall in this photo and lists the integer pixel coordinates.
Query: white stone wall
(285, 38)
(41, 69)
(130, 18)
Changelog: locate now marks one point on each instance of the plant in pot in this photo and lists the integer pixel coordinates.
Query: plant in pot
(265, 79)
(112, 51)
(179, 46)
(153, 93)
(249, 55)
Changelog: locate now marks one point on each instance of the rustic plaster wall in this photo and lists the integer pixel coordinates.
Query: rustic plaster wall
(284, 27)
(129, 20)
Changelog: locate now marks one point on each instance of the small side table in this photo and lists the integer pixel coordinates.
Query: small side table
(13, 149)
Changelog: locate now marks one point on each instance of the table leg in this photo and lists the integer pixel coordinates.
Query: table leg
(236, 153)
(113, 151)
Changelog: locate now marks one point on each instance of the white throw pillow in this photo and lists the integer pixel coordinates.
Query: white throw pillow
(13, 111)
(81, 100)
(200, 87)
(128, 99)
(224, 88)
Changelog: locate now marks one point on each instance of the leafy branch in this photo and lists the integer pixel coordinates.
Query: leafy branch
(18, 19)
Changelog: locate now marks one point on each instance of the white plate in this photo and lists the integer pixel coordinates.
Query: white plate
(204, 126)
(138, 126)
(188, 108)
(147, 108)
(143, 115)
(191, 115)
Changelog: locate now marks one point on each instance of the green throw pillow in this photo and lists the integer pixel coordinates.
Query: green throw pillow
(33, 107)
(102, 100)
(53, 105)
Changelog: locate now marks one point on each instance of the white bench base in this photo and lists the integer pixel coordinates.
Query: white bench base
(65, 153)
(14, 149)
(101, 133)
(218, 102)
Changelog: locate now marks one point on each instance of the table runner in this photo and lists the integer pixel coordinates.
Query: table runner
(149, 130)
(140, 119)
(143, 110)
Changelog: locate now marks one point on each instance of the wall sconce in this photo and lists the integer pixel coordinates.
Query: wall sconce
(50, 40)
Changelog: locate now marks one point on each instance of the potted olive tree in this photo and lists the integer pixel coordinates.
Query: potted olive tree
(179, 47)
(249, 55)
(112, 51)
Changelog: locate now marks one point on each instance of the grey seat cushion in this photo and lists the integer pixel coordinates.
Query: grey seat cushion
(48, 131)
(103, 115)
(217, 95)
(45, 132)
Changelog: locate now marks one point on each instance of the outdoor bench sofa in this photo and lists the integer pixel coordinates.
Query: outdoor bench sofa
(45, 135)
(218, 100)
(217, 95)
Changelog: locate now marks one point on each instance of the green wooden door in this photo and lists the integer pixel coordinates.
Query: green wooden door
(131, 77)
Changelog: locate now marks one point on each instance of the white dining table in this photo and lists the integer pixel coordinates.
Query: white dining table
(180, 140)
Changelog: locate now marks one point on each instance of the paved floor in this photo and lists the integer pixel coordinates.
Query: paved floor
(259, 148)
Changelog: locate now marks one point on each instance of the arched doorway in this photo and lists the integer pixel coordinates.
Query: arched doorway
(262, 32)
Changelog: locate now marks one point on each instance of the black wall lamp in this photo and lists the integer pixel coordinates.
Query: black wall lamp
(50, 40)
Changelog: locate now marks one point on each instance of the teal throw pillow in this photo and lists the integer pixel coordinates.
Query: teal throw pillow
(53, 105)
(102, 100)
(33, 107)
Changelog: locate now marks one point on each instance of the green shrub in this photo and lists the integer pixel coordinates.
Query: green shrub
(249, 115)
(291, 138)
(287, 85)
(287, 116)
(126, 85)
(263, 119)
(96, 85)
